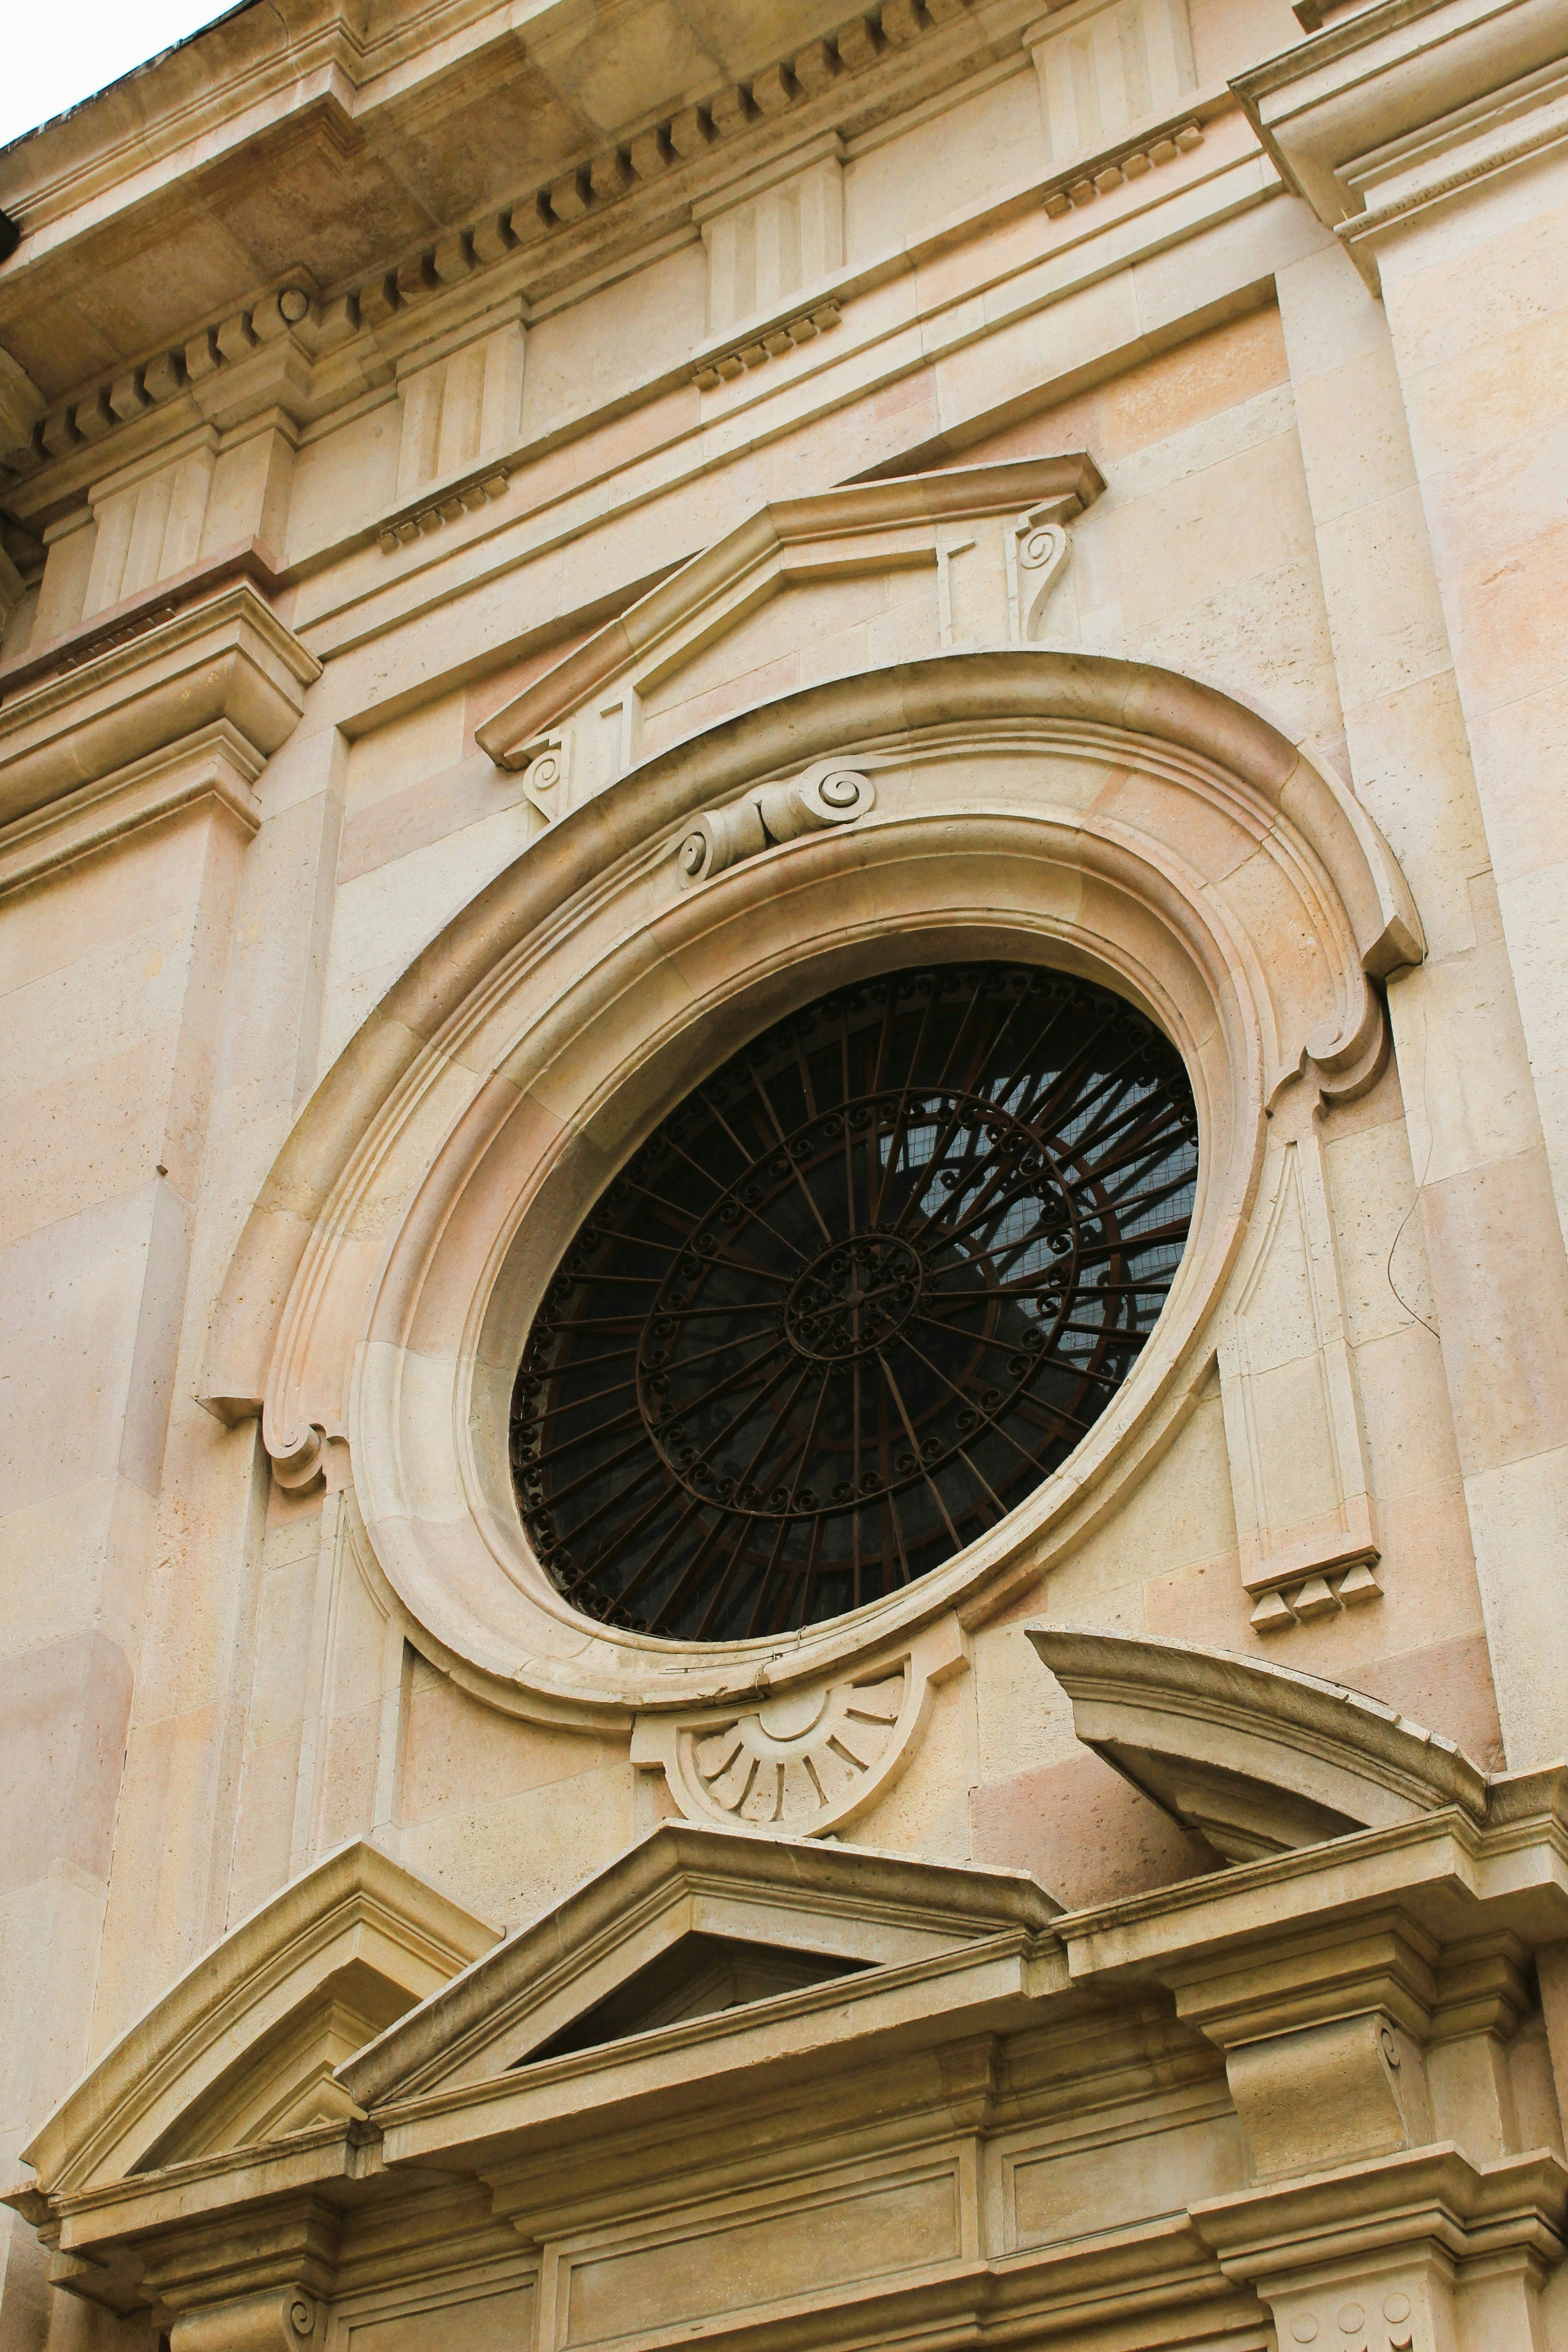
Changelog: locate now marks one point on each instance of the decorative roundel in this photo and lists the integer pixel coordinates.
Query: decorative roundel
(856, 1297)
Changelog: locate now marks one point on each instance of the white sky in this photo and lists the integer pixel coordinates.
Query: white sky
(57, 52)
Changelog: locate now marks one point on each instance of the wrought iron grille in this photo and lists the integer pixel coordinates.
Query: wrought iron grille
(855, 1298)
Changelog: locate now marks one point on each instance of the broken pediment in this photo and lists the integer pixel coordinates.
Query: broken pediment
(1252, 1757)
(245, 2047)
(691, 1923)
(845, 581)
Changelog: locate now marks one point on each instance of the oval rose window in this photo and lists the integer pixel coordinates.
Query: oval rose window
(853, 1300)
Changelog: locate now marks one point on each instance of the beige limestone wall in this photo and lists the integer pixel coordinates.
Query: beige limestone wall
(211, 1686)
(111, 979)
(1438, 712)
(201, 1705)
(504, 1814)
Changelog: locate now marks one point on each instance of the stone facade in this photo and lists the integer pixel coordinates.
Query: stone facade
(535, 544)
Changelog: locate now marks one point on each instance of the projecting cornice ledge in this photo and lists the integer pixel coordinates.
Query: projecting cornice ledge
(1252, 1757)
(1402, 107)
(225, 674)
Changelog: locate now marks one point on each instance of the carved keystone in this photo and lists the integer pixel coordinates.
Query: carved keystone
(778, 812)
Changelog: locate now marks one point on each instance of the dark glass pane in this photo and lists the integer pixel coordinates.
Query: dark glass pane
(855, 1298)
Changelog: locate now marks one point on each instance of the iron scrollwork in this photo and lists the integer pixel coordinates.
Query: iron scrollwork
(853, 1300)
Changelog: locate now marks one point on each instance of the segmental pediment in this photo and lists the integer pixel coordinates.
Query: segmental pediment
(243, 2048)
(1255, 1757)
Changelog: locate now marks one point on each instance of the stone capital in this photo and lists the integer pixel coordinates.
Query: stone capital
(1421, 2252)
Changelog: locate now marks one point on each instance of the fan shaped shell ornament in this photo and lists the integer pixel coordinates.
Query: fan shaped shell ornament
(802, 1762)
(858, 1296)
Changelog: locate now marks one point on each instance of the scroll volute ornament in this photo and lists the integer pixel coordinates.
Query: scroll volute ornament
(722, 837)
(1100, 816)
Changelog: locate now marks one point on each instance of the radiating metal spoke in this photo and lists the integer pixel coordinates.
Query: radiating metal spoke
(858, 1376)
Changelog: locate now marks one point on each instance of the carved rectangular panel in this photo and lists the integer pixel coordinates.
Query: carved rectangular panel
(482, 2315)
(1078, 2190)
(774, 243)
(458, 408)
(1292, 1422)
(734, 2261)
(1107, 67)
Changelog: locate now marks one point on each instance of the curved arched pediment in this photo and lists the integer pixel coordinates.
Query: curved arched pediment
(1113, 819)
(1250, 1756)
(242, 2049)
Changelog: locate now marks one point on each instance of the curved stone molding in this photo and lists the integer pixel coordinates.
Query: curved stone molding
(1253, 1757)
(779, 813)
(805, 1760)
(1106, 818)
(231, 2034)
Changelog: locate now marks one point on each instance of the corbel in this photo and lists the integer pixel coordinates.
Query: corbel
(255, 2280)
(546, 765)
(286, 2319)
(1322, 2031)
(1038, 549)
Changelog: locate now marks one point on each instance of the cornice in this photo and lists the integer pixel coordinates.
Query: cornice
(1434, 2195)
(226, 663)
(1437, 1873)
(118, 624)
(503, 532)
(1375, 119)
(78, 157)
(552, 232)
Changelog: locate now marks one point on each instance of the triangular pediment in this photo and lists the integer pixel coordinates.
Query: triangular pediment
(244, 2048)
(804, 588)
(690, 1923)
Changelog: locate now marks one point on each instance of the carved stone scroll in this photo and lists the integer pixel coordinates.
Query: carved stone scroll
(1037, 552)
(547, 775)
(778, 812)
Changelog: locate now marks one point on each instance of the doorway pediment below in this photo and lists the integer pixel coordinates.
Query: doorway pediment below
(691, 1923)
(242, 2049)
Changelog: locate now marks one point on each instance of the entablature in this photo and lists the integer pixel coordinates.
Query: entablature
(980, 2099)
(1390, 114)
(300, 352)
